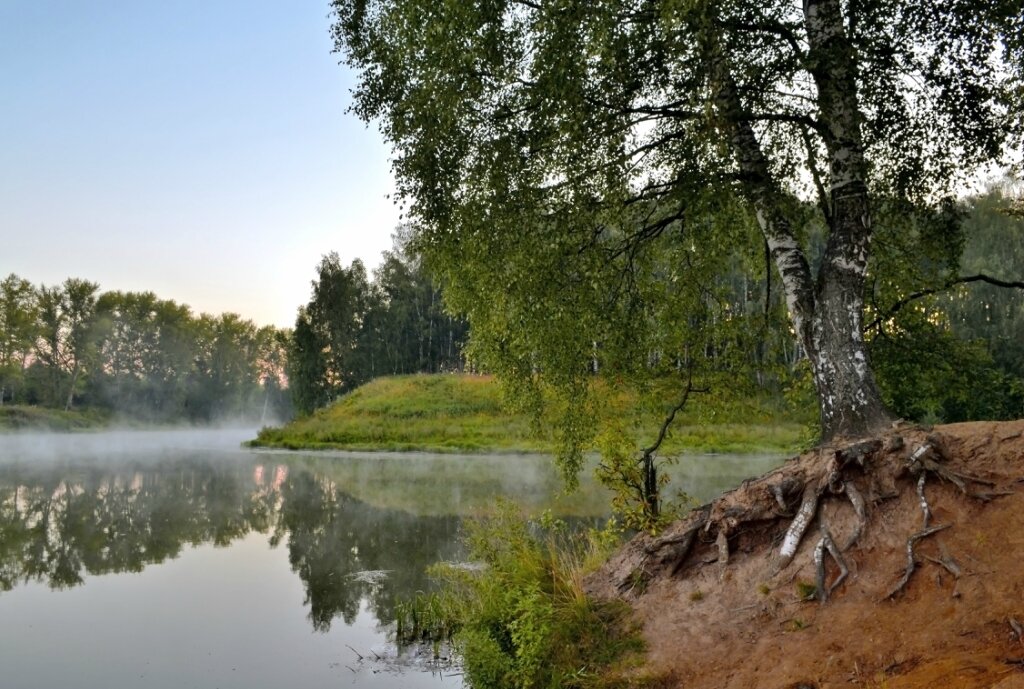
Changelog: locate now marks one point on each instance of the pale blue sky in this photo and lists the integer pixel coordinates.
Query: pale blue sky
(199, 149)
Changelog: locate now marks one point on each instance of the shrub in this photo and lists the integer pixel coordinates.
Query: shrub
(525, 621)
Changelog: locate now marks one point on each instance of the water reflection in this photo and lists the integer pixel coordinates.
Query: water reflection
(60, 525)
(232, 530)
(360, 531)
(334, 538)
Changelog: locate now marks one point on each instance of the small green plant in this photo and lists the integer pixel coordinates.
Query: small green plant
(638, 580)
(697, 595)
(763, 589)
(806, 590)
(795, 625)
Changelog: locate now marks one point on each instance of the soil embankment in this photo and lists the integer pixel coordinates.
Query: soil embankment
(955, 624)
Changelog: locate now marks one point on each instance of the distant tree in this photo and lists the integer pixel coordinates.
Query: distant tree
(409, 319)
(994, 246)
(352, 329)
(945, 332)
(18, 313)
(52, 343)
(271, 366)
(226, 375)
(80, 315)
(327, 361)
(307, 367)
(65, 343)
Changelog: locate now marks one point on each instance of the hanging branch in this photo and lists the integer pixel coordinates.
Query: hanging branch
(981, 277)
(663, 432)
(648, 488)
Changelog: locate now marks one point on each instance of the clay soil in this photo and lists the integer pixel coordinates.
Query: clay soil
(741, 626)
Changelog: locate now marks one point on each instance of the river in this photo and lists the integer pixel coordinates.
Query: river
(179, 559)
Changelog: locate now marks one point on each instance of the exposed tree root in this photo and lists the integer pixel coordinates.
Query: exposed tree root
(798, 527)
(911, 561)
(926, 509)
(1018, 630)
(827, 544)
(861, 474)
(722, 542)
(860, 509)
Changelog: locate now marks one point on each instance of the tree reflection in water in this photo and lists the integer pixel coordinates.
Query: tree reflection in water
(61, 524)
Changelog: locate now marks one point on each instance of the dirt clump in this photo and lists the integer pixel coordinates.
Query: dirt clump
(927, 523)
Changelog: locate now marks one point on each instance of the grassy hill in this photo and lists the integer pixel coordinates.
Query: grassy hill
(420, 412)
(464, 413)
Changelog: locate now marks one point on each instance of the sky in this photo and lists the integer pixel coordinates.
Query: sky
(198, 149)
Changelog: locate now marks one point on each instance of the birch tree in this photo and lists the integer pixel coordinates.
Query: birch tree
(549, 150)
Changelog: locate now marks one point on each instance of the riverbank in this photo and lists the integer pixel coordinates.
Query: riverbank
(17, 417)
(465, 413)
(950, 617)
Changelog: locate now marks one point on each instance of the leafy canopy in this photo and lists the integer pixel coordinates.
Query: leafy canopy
(569, 177)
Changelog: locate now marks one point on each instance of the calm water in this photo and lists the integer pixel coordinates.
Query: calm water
(175, 559)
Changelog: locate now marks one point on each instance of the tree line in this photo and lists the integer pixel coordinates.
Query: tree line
(354, 329)
(133, 354)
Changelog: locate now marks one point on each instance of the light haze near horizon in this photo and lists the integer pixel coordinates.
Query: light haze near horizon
(198, 150)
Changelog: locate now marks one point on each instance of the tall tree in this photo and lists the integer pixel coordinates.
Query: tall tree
(66, 343)
(80, 350)
(18, 312)
(327, 359)
(542, 142)
(52, 345)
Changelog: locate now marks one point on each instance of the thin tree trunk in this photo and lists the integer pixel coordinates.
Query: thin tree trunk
(71, 388)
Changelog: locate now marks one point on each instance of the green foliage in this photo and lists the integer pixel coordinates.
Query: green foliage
(575, 179)
(805, 591)
(353, 330)
(426, 618)
(576, 183)
(22, 417)
(134, 355)
(18, 314)
(994, 245)
(951, 351)
(525, 621)
(929, 374)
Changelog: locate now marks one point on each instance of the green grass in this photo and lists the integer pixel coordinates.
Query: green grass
(21, 417)
(439, 413)
(465, 413)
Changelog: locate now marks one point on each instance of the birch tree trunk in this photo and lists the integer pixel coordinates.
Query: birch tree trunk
(851, 403)
(827, 313)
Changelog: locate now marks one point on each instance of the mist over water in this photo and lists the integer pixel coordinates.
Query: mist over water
(119, 445)
(173, 558)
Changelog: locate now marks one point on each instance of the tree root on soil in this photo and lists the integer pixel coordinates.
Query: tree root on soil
(859, 474)
(911, 561)
(827, 544)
